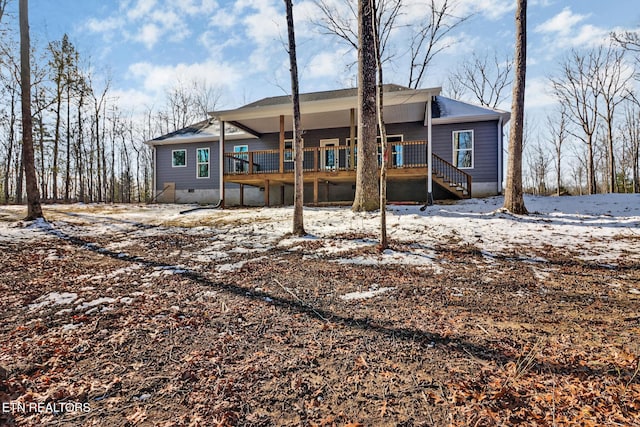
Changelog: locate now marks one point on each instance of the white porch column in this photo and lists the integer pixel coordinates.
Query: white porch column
(500, 142)
(154, 192)
(221, 162)
(429, 154)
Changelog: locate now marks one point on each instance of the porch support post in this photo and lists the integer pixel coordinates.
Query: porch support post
(315, 190)
(221, 161)
(154, 193)
(352, 140)
(241, 195)
(281, 144)
(429, 153)
(500, 142)
(282, 194)
(266, 192)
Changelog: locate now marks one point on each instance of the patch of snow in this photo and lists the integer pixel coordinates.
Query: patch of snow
(373, 291)
(95, 302)
(54, 298)
(70, 327)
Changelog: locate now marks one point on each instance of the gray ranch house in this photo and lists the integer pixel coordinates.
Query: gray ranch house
(438, 148)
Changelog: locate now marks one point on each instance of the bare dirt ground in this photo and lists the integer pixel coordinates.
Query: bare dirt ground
(485, 341)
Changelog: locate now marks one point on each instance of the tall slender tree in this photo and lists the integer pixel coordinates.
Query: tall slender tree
(613, 85)
(366, 197)
(557, 125)
(298, 196)
(34, 210)
(384, 241)
(513, 197)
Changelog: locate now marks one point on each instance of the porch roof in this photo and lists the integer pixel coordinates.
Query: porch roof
(322, 110)
(204, 131)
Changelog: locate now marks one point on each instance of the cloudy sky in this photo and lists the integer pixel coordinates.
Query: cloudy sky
(148, 45)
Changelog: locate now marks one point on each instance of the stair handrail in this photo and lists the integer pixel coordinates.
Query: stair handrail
(452, 174)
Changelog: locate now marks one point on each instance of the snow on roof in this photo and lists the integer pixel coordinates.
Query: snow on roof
(451, 108)
(205, 130)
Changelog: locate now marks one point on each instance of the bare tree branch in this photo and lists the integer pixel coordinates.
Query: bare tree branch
(430, 38)
(486, 79)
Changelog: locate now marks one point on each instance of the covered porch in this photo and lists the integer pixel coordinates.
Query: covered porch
(268, 161)
(406, 161)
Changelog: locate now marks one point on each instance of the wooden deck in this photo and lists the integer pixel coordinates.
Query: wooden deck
(337, 164)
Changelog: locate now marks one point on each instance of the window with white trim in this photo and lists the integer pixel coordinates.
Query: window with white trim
(397, 157)
(179, 158)
(288, 150)
(463, 149)
(241, 156)
(202, 163)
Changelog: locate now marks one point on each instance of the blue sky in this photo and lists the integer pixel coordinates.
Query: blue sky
(148, 45)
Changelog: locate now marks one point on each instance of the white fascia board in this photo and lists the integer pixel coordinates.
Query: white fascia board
(323, 106)
(465, 119)
(198, 139)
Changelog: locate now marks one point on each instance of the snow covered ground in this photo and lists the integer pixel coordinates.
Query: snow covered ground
(599, 228)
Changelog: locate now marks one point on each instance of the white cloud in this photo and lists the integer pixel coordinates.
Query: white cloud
(149, 35)
(266, 24)
(224, 18)
(491, 9)
(157, 78)
(325, 64)
(538, 94)
(193, 7)
(141, 9)
(131, 99)
(590, 36)
(104, 25)
(562, 23)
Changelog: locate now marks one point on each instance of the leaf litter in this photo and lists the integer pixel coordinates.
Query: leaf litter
(155, 319)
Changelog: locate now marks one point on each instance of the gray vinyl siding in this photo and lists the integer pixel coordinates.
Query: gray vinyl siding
(485, 151)
(185, 177)
(485, 147)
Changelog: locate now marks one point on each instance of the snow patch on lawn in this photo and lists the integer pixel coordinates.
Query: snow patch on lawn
(373, 291)
(54, 298)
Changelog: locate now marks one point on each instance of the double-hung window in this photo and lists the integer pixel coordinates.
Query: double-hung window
(202, 163)
(463, 149)
(288, 150)
(179, 158)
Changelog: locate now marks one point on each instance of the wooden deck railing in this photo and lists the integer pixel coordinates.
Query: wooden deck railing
(406, 154)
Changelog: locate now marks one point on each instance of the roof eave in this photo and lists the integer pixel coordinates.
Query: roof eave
(320, 106)
(477, 118)
(197, 139)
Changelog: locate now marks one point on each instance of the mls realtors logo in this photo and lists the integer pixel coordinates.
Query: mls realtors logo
(44, 408)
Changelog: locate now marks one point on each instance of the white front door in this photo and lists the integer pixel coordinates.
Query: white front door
(329, 156)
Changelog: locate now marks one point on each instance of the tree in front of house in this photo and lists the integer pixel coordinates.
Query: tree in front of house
(366, 197)
(34, 209)
(298, 197)
(513, 197)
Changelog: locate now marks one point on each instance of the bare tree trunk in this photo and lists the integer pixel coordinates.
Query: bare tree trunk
(591, 167)
(103, 152)
(298, 197)
(12, 124)
(67, 169)
(56, 138)
(79, 159)
(19, 174)
(384, 241)
(366, 197)
(34, 210)
(41, 138)
(514, 199)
